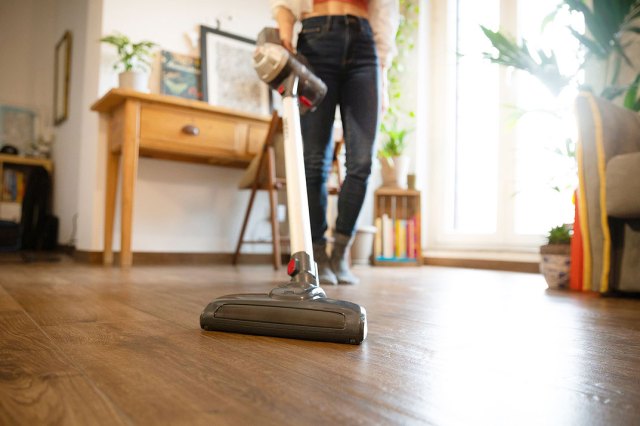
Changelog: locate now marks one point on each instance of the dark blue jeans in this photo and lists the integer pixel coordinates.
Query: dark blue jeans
(341, 51)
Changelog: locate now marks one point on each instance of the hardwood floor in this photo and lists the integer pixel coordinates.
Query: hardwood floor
(86, 344)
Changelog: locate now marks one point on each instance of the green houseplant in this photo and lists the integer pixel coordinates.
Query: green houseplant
(394, 164)
(606, 22)
(397, 122)
(133, 61)
(555, 261)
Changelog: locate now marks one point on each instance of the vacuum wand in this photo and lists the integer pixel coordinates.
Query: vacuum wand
(301, 90)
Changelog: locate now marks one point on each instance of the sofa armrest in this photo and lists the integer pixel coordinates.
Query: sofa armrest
(623, 186)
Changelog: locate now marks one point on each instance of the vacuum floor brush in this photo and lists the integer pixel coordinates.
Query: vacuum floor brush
(299, 308)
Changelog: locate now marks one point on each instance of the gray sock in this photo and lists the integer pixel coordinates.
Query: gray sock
(340, 259)
(325, 274)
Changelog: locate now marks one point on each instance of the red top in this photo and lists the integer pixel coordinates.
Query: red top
(361, 3)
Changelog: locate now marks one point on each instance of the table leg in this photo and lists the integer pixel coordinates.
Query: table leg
(113, 161)
(130, 146)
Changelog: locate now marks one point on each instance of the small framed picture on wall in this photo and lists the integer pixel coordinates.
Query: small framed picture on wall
(62, 72)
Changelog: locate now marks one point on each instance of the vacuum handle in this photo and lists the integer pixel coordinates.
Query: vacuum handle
(298, 204)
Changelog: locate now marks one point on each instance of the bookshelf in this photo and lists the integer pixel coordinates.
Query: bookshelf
(14, 172)
(398, 230)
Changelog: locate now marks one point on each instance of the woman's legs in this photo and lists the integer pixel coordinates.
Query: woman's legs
(359, 111)
(342, 53)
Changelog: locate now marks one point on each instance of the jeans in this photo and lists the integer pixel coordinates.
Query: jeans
(341, 51)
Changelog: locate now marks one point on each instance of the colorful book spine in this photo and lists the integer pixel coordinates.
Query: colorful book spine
(411, 238)
(576, 274)
(377, 243)
(387, 237)
(20, 187)
(13, 186)
(418, 234)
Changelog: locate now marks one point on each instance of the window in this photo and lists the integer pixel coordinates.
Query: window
(498, 171)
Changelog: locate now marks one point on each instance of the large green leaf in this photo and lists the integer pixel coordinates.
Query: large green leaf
(544, 65)
(605, 22)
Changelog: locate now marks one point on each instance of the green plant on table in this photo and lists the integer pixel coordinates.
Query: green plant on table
(131, 56)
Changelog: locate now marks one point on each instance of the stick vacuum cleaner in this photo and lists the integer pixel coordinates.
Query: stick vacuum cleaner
(299, 308)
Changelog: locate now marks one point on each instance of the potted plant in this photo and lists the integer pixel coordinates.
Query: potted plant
(556, 256)
(606, 23)
(133, 61)
(397, 123)
(394, 164)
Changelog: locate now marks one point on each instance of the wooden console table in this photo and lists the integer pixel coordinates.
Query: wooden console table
(170, 128)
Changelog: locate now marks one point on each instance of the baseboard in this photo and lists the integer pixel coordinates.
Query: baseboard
(153, 258)
(494, 265)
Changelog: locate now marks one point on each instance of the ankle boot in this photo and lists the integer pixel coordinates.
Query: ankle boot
(325, 274)
(340, 259)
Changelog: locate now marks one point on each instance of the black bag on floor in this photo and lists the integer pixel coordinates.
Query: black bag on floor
(35, 205)
(9, 236)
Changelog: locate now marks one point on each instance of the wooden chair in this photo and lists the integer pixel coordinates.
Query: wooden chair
(263, 169)
(262, 173)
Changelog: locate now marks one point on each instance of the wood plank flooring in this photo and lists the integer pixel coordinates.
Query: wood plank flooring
(84, 344)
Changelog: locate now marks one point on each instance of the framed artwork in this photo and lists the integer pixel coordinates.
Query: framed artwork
(17, 127)
(180, 76)
(62, 72)
(228, 77)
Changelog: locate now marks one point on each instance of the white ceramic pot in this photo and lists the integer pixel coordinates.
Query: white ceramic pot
(394, 171)
(134, 80)
(363, 245)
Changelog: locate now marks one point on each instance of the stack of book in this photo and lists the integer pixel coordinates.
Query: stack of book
(396, 239)
(11, 195)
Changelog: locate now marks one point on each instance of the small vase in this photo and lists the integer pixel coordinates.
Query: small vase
(394, 171)
(134, 80)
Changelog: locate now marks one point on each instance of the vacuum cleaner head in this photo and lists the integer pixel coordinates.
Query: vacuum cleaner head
(321, 318)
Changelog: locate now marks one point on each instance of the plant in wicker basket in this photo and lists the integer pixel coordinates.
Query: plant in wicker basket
(556, 256)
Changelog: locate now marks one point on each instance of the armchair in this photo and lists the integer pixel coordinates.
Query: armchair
(608, 155)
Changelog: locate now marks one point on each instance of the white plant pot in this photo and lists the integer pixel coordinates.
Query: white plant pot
(363, 245)
(134, 80)
(395, 171)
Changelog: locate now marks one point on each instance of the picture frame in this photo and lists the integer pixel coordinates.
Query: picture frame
(228, 77)
(17, 127)
(62, 73)
(181, 75)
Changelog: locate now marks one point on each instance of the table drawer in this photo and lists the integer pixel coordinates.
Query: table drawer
(191, 132)
(257, 136)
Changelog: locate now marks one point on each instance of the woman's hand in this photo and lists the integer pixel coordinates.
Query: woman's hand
(285, 20)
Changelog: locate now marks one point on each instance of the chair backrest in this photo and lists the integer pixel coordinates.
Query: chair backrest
(257, 169)
(275, 139)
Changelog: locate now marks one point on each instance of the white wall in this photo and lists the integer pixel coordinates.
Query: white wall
(26, 48)
(78, 132)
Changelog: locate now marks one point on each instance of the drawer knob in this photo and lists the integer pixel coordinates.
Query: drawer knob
(190, 129)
